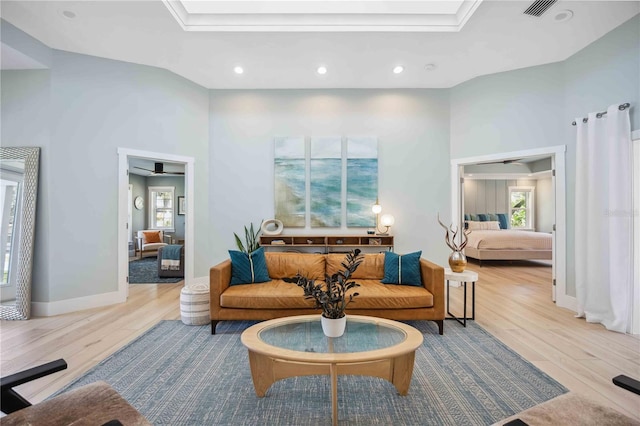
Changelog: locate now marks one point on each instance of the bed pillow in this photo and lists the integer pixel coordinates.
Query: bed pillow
(483, 217)
(504, 221)
(402, 269)
(483, 226)
(248, 268)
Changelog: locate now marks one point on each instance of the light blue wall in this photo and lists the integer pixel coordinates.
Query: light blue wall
(412, 127)
(534, 107)
(25, 121)
(96, 106)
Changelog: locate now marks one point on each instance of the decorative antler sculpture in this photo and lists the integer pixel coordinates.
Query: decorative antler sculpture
(457, 259)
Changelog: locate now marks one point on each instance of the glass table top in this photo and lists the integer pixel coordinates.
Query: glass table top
(307, 336)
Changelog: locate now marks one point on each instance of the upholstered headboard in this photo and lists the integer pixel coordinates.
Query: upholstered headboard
(503, 218)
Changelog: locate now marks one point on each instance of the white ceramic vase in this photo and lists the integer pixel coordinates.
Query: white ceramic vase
(333, 327)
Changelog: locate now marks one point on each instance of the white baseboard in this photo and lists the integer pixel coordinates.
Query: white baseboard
(48, 309)
(569, 302)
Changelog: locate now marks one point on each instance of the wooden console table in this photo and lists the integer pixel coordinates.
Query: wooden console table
(328, 243)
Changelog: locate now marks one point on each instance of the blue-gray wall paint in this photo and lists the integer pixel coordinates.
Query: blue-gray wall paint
(412, 127)
(84, 108)
(96, 106)
(534, 107)
(24, 43)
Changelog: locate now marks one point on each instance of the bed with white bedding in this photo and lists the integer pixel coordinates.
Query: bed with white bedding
(508, 244)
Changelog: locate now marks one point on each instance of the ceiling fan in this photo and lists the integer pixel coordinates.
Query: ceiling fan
(159, 170)
(513, 161)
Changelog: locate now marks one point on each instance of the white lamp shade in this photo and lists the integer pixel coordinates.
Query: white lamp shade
(387, 220)
(377, 208)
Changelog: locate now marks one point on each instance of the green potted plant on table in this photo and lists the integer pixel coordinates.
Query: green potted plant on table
(331, 296)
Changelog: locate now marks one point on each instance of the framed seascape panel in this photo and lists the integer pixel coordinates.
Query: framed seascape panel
(290, 181)
(326, 182)
(362, 180)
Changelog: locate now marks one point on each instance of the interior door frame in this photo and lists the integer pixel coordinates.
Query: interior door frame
(559, 262)
(635, 308)
(123, 189)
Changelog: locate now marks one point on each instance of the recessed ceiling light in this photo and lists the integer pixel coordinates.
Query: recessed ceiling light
(322, 70)
(68, 14)
(563, 15)
(238, 70)
(430, 67)
(398, 69)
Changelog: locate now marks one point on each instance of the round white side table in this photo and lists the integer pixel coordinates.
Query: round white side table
(464, 278)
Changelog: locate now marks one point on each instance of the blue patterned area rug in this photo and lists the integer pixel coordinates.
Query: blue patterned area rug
(176, 374)
(145, 271)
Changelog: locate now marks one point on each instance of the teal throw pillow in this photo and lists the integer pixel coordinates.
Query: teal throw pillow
(402, 269)
(493, 217)
(504, 220)
(483, 217)
(248, 268)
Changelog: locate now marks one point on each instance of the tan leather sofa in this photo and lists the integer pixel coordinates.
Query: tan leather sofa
(277, 298)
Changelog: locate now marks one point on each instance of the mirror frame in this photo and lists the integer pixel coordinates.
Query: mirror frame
(31, 157)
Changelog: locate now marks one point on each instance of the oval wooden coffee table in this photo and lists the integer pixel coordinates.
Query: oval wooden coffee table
(295, 346)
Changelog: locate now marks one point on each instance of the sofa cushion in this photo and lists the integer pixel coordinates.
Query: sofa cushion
(372, 267)
(373, 294)
(287, 265)
(276, 294)
(402, 269)
(247, 268)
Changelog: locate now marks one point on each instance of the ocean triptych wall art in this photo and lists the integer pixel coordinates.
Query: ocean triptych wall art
(325, 174)
(331, 180)
(362, 180)
(290, 181)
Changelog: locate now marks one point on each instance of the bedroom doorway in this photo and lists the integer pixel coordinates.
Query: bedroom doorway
(556, 155)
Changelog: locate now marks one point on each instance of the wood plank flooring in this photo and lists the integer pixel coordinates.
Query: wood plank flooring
(513, 302)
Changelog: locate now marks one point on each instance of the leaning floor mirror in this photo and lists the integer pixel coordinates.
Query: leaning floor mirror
(18, 193)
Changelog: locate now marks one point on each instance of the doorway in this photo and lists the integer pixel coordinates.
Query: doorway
(557, 154)
(125, 157)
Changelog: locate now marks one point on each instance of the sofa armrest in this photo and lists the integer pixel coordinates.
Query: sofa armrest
(433, 280)
(219, 279)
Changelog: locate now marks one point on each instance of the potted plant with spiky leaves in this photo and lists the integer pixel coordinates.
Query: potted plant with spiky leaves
(332, 295)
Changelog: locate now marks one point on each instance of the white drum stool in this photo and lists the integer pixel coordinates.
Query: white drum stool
(194, 304)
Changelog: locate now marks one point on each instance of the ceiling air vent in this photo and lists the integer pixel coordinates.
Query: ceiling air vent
(539, 7)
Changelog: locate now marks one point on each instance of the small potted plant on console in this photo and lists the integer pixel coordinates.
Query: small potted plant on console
(331, 295)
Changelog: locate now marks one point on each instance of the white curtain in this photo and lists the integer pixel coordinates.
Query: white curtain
(603, 219)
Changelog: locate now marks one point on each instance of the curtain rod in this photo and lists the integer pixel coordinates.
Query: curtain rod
(621, 107)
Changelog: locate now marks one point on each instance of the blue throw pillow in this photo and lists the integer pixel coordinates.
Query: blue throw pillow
(402, 269)
(467, 216)
(483, 217)
(504, 221)
(248, 268)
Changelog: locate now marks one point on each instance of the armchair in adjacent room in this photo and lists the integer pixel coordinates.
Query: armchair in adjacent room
(149, 241)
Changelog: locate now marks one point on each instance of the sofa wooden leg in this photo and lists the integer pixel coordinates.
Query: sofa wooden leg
(440, 326)
(213, 326)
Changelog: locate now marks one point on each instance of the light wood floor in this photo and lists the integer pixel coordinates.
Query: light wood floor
(512, 302)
